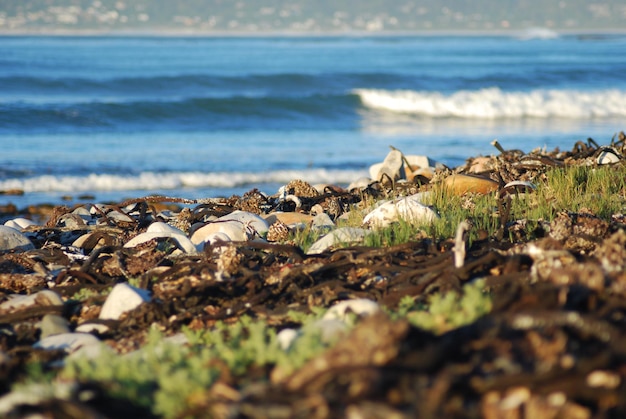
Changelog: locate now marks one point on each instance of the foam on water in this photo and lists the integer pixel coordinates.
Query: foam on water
(494, 103)
(160, 181)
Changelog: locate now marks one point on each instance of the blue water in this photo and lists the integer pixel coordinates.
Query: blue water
(120, 117)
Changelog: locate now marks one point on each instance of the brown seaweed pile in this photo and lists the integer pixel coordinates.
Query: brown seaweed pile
(553, 346)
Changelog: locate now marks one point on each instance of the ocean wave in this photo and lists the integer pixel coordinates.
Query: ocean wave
(175, 180)
(494, 103)
(238, 112)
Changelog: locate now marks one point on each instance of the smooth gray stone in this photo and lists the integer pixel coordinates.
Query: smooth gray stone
(52, 324)
(11, 239)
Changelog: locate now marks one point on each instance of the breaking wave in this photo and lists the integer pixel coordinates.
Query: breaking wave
(175, 180)
(493, 103)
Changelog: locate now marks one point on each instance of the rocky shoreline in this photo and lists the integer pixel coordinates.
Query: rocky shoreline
(94, 281)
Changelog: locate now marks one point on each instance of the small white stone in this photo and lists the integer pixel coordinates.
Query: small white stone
(361, 183)
(161, 227)
(286, 337)
(329, 329)
(322, 220)
(123, 298)
(11, 239)
(41, 298)
(119, 216)
(92, 327)
(408, 209)
(607, 156)
(182, 240)
(234, 230)
(20, 223)
(359, 306)
(249, 221)
(69, 342)
(340, 235)
(391, 167)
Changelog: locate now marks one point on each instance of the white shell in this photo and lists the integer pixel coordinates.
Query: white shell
(41, 298)
(122, 298)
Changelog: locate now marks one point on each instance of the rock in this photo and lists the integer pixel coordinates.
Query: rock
(67, 341)
(248, 220)
(11, 239)
(161, 227)
(321, 221)
(91, 327)
(232, 230)
(52, 324)
(122, 298)
(183, 241)
(20, 223)
(42, 298)
(360, 306)
(329, 329)
(391, 166)
(608, 155)
(419, 165)
(75, 344)
(361, 183)
(289, 218)
(409, 209)
(286, 337)
(120, 217)
(461, 184)
(338, 236)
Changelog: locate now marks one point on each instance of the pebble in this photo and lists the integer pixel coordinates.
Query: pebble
(289, 218)
(286, 337)
(391, 166)
(91, 327)
(20, 223)
(360, 306)
(52, 324)
(249, 220)
(460, 184)
(41, 298)
(69, 342)
(122, 298)
(233, 230)
(338, 236)
(409, 209)
(183, 241)
(161, 227)
(608, 156)
(11, 239)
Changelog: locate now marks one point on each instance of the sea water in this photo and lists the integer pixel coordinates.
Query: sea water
(195, 117)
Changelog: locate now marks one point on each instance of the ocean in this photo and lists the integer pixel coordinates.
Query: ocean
(105, 118)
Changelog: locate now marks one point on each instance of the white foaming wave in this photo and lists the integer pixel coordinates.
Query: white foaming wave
(175, 180)
(493, 103)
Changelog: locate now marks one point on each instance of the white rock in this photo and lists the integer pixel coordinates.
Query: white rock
(362, 182)
(408, 209)
(249, 220)
(360, 306)
(161, 227)
(608, 156)
(322, 220)
(183, 241)
(123, 298)
(11, 239)
(20, 223)
(69, 342)
(391, 166)
(119, 216)
(41, 298)
(234, 230)
(329, 329)
(421, 162)
(286, 337)
(92, 327)
(340, 235)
